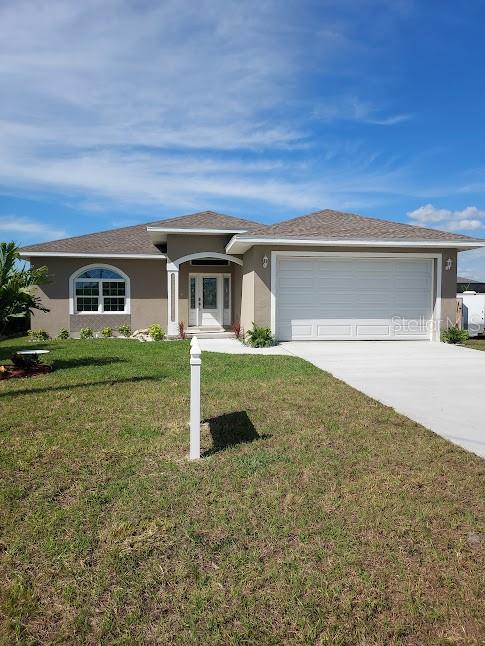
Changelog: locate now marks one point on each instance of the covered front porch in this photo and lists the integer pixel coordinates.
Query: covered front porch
(204, 293)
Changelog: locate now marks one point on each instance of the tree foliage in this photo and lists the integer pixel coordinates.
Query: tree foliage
(17, 285)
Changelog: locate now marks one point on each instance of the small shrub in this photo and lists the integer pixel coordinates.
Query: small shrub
(236, 329)
(182, 332)
(454, 335)
(37, 335)
(63, 334)
(85, 333)
(124, 330)
(156, 332)
(107, 331)
(259, 337)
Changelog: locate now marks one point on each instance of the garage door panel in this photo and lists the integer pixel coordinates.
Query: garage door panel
(375, 331)
(353, 298)
(341, 330)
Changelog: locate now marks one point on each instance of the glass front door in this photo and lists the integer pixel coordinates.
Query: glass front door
(209, 300)
(210, 305)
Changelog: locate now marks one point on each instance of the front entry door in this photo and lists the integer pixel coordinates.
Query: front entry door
(209, 300)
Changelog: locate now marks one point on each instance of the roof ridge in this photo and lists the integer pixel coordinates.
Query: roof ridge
(362, 218)
(206, 212)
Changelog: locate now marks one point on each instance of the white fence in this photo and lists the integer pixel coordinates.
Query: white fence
(472, 312)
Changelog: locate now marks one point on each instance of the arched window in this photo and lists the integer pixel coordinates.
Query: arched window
(99, 289)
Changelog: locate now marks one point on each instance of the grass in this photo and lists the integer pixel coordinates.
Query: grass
(317, 516)
(476, 344)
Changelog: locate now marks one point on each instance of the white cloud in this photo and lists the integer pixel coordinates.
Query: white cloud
(354, 109)
(24, 228)
(175, 104)
(472, 264)
(468, 219)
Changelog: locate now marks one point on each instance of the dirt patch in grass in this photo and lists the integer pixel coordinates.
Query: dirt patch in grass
(317, 516)
(9, 371)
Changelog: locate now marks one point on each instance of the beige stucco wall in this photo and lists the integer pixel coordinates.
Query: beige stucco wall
(251, 285)
(179, 246)
(148, 282)
(256, 292)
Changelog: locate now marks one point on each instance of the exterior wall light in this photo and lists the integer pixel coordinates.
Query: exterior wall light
(265, 261)
(449, 264)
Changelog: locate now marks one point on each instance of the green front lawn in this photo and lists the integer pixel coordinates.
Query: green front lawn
(317, 516)
(476, 344)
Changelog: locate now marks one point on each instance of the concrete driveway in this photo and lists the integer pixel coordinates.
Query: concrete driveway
(440, 386)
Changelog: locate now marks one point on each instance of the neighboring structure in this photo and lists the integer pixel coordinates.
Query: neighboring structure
(327, 275)
(464, 284)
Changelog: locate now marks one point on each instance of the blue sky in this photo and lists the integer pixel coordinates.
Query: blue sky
(122, 112)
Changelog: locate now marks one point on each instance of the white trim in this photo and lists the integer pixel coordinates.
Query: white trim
(73, 278)
(172, 326)
(436, 306)
(62, 254)
(220, 296)
(436, 297)
(441, 244)
(174, 266)
(198, 231)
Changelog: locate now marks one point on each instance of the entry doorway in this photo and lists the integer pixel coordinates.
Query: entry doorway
(209, 300)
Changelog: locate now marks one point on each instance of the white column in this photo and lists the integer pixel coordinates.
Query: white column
(195, 363)
(172, 300)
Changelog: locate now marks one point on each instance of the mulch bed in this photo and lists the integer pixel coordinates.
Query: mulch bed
(12, 372)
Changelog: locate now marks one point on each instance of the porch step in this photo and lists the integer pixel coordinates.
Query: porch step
(215, 333)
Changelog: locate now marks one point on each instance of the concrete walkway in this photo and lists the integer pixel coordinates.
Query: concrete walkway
(440, 386)
(233, 346)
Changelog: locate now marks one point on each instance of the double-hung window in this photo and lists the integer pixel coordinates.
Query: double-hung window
(100, 290)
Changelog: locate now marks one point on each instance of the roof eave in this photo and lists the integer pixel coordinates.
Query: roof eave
(67, 254)
(198, 230)
(158, 234)
(239, 244)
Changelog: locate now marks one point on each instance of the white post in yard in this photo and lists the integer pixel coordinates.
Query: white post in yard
(195, 363)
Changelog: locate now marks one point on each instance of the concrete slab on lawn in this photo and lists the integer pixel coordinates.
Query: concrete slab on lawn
(440, 386)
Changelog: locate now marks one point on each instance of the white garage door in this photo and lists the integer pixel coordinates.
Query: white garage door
(364, 298)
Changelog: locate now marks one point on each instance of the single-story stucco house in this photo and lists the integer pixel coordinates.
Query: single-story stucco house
(326, 275)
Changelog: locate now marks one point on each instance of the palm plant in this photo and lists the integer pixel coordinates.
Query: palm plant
(17, 285)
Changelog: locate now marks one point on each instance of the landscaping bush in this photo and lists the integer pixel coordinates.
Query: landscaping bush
(85, 333)
(63, 334)
(107, 331)
(182, 332)
(124, 330)
(156, 332)
(454, 335)
(37, 336)
(259, 337)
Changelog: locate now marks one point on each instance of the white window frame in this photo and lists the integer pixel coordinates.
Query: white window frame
(72, 290)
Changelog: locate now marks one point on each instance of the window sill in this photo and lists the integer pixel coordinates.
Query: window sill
(99, 313)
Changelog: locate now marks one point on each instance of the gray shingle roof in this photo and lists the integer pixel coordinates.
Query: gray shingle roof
(323, 225)
(136, 239)
(208, 220)
(336, 225)
(466, 281)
